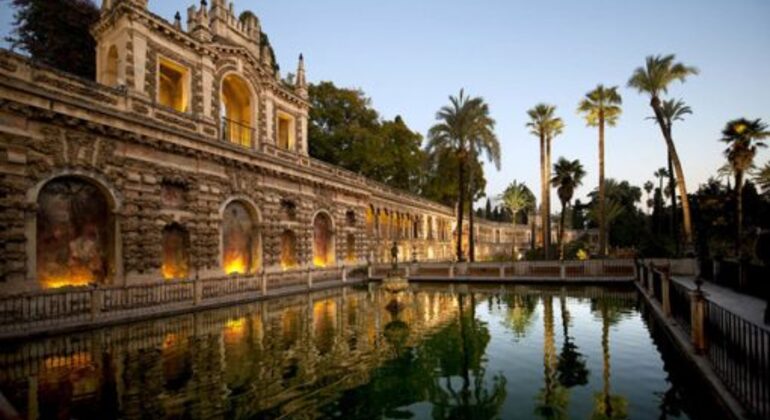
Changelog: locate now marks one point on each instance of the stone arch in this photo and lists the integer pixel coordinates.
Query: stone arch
(241, 239)
(176, 252)
(323, 239)
(73, 240)
(237, 109)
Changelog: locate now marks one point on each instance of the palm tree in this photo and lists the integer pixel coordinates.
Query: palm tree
(462, 122)
(546, 126)
(517, 197)
(743, 136)
(482, 139)
(653, 79)
(568, 175)
(673, 110)
(762, 178)
(607, 405)
(601, 107)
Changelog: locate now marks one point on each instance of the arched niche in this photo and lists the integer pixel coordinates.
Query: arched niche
(288, 249)
(176, 252)
(323, 240)
(237, 111)
(74, 233)
(240, 239)
(350, 248)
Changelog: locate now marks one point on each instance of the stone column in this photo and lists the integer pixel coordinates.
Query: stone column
(698, 321)
(562, 270)
(197, 291)
(97, 299)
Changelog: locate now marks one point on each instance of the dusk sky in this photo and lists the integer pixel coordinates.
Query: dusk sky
(408, 56)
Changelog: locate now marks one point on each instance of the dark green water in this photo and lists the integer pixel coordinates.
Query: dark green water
(445, 351)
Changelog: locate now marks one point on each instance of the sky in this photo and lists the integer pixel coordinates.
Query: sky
(408, 56)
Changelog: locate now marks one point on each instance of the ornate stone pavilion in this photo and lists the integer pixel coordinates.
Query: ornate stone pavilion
(187, 158)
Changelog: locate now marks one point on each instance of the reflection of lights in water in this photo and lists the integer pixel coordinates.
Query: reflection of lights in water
(77, 276)
(236, 265)
(234, 329)
(170, 341)
(77, 360)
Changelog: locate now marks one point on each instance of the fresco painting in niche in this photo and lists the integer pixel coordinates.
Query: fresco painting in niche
(288, 250)
(239, 241)
(176, 256)
(74, 232)
(323, 249)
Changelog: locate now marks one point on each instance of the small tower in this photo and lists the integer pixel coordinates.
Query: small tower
(198, 22)
(300, 85)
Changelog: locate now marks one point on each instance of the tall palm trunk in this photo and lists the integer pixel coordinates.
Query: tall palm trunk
(460, 208)
(686, 220)
(739, 213)
(671, 184)
(602, 207)
(543, 197)
(546, 207)
(471, 236)
(564, 206)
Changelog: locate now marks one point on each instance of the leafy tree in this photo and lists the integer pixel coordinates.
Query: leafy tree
(488, 210)
(440, 182)
(579, 215)
(544, 124)
(653, 79)
(56, 33)
(744, 137)
(464, 129)
(601, 107)
(568, 175)
(346, 131)
(517, 197)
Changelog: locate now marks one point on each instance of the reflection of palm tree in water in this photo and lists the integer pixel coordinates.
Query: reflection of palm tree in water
(553, 398)
(470, 402)
(606, 405)
(572, 366)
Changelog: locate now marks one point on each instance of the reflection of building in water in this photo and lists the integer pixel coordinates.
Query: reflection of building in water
(240, 360)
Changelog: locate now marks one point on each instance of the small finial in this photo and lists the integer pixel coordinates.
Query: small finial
(204, 3)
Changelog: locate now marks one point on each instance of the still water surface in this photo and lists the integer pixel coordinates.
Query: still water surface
(443, 351)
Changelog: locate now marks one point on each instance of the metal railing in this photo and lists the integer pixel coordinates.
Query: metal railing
(740, 353)
(681, 305)
(238, 133)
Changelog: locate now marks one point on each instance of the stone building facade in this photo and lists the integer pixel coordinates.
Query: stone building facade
(187, 158)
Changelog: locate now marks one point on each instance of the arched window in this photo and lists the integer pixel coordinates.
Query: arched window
(288, 249)
(236, 111)
(350, 248)
(323, 240)
(240, 240)
(176, 252)
(75, 234)
(111, 67)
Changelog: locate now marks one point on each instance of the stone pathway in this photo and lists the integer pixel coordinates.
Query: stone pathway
(750, 308)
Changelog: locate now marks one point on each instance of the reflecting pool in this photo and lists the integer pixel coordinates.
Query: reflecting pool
(433, 351)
